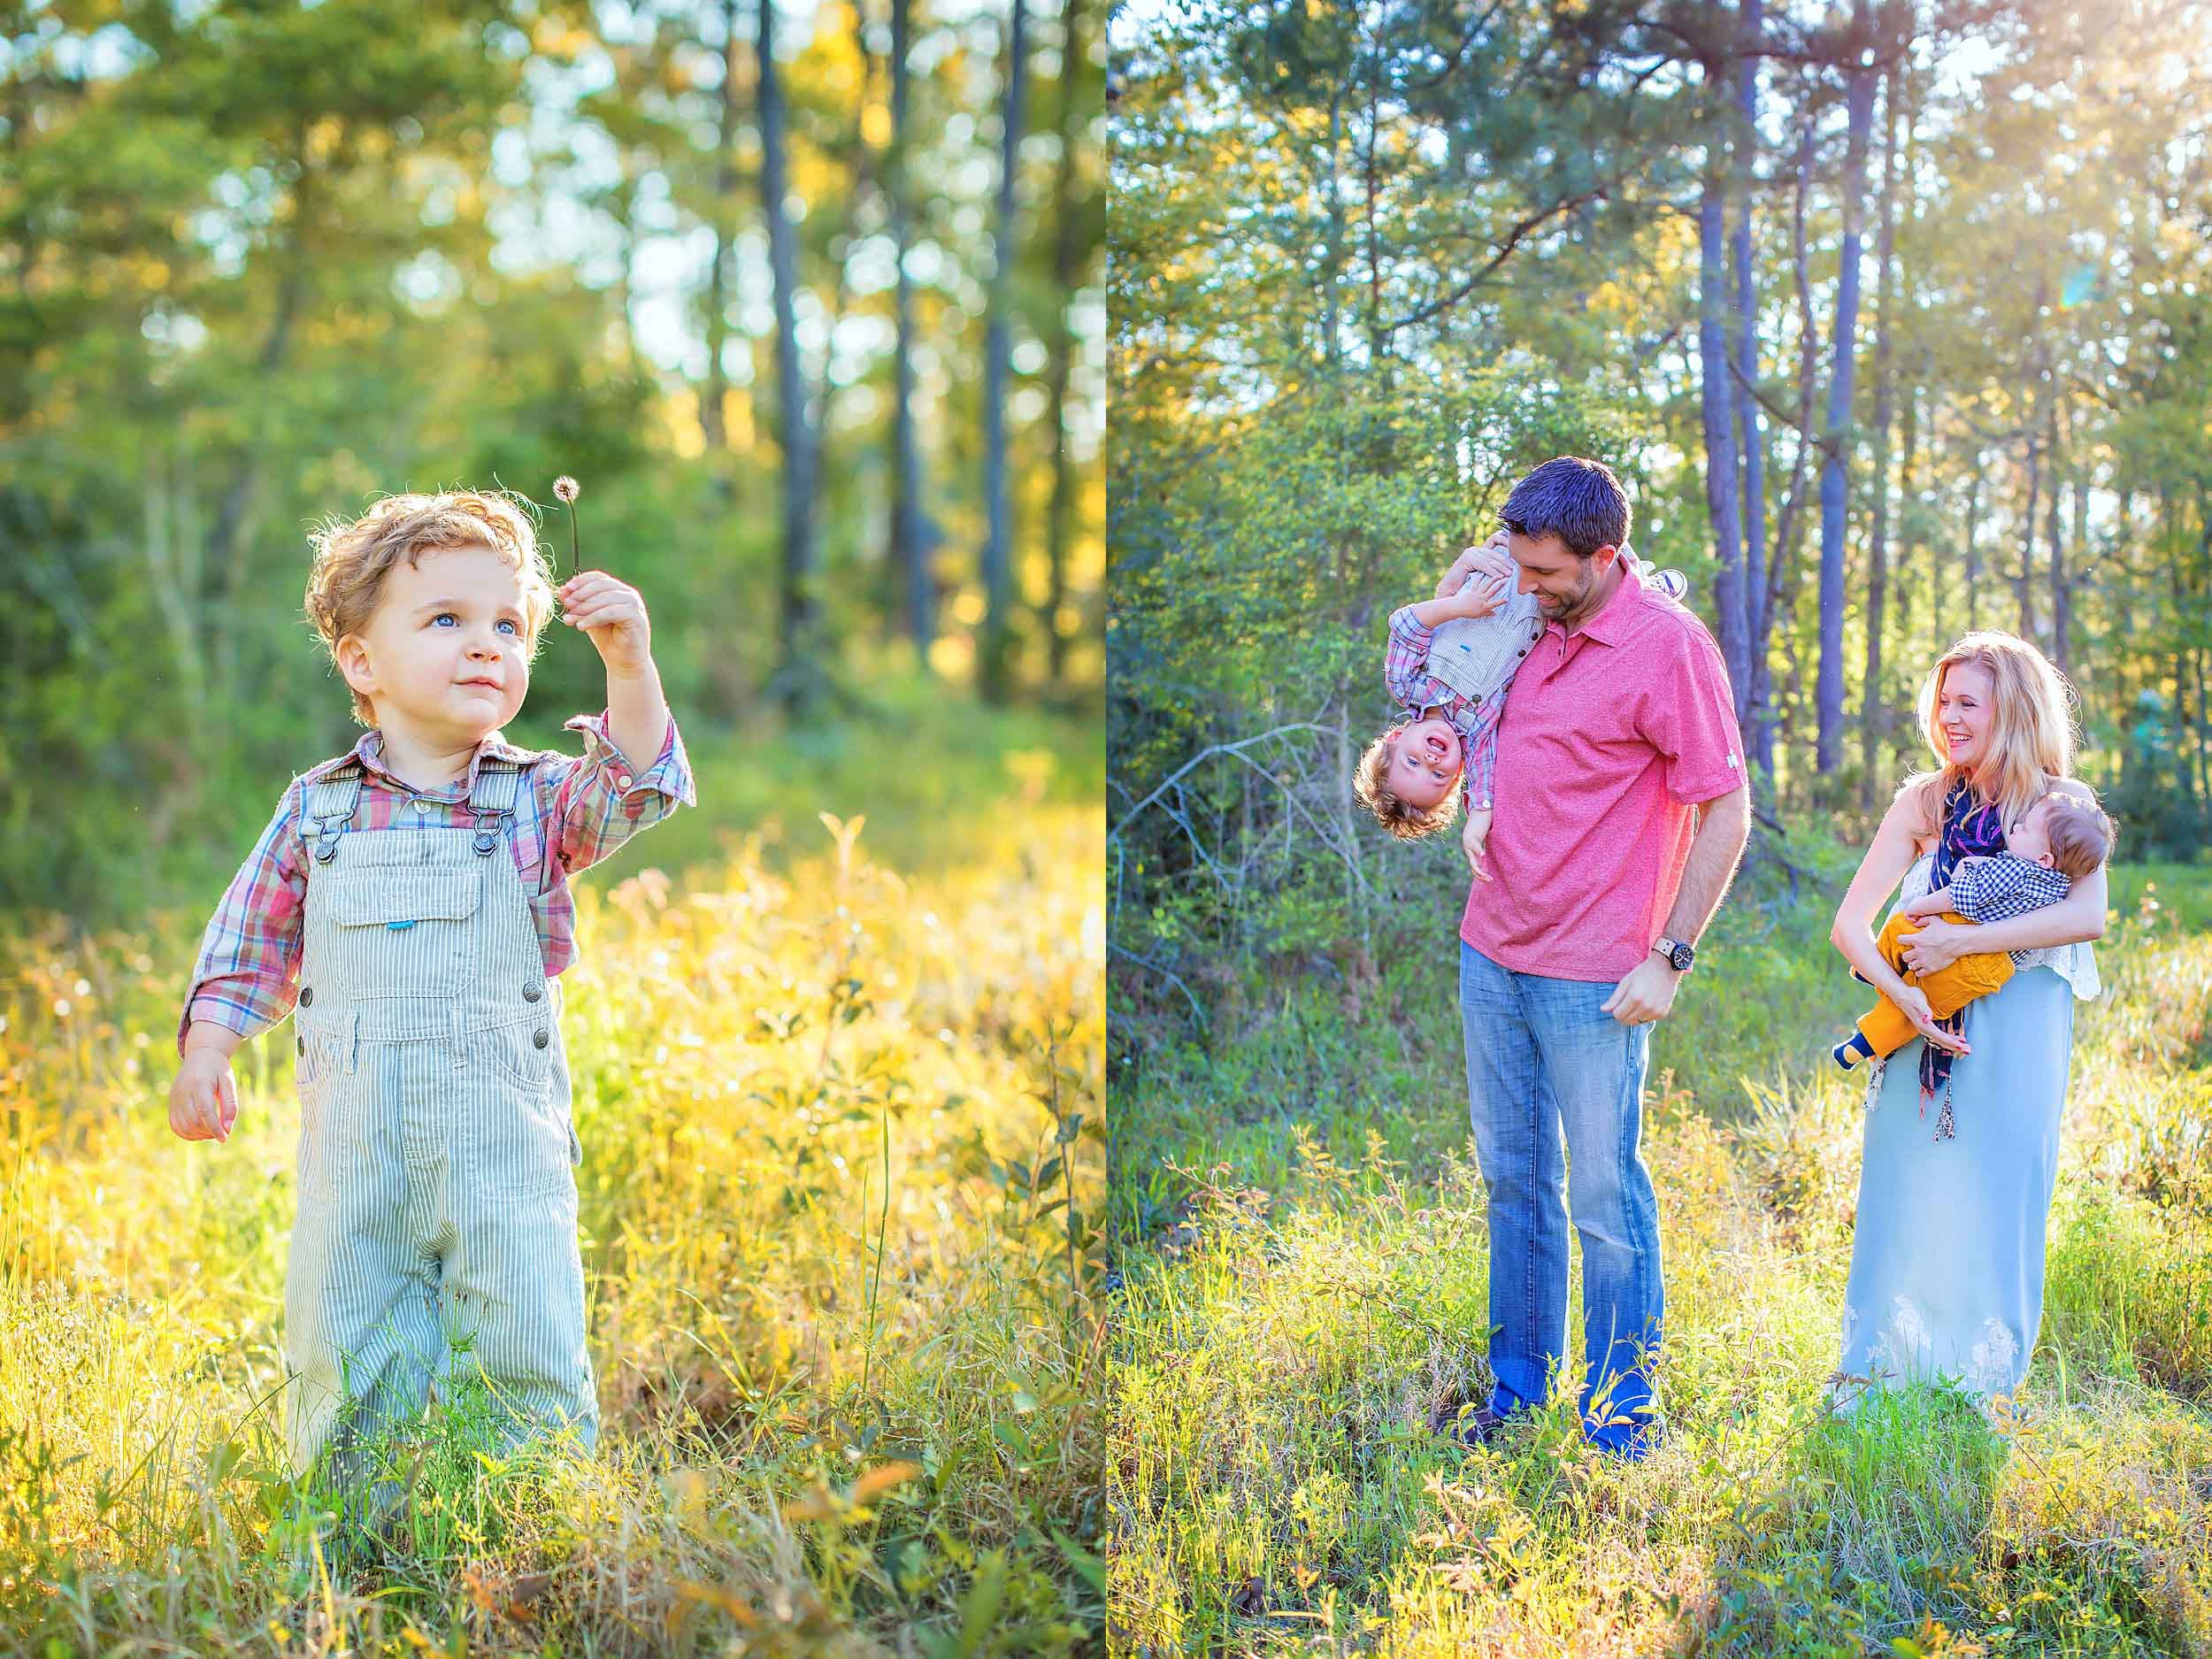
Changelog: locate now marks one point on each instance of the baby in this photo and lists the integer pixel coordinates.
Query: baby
(2061, 838)
(1448, 665)
(409, 904)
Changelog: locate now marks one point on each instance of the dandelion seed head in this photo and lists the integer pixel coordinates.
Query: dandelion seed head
(565, 489)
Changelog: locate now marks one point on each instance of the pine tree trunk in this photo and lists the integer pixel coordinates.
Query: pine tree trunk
(1751, 690)
(1872, 705)
(1072, 45)
(997, 349)
(1834, 487)
(797, 607)
(1716, 407)
(910, 541)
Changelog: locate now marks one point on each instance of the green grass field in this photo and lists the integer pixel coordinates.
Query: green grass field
(841, 1198)
(1300, 1238)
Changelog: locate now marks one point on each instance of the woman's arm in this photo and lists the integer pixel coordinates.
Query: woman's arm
(1890, 855)
(2074, 919)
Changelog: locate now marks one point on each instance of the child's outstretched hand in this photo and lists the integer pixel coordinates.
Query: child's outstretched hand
(1492, 556)
(613, 614)
(1474, 841)
(203, 1100)
(1482, 594)
(1931, 903)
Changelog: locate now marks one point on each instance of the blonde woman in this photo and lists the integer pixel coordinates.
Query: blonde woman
(1946, 1265)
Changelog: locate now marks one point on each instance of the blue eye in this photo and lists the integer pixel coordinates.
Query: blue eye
(511, 627)
(443, 616)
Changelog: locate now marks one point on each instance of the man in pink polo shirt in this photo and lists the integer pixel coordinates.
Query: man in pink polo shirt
(1621, 813)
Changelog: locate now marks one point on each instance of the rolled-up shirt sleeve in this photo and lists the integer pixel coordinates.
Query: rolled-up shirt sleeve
(599, 799)
(1406, 663)
(245, 975)
(1481, 739)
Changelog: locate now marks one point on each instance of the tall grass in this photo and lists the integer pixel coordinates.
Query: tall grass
(1302, 1301)
(840, 1209)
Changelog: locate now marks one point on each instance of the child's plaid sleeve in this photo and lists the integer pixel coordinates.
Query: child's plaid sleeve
(1406, 662)
(1998, 889)
(1480, 742)
(249, 956)
(600, 800)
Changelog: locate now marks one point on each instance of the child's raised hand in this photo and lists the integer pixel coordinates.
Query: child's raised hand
(1474, 841)
(203, 1100)
(613, 614)
(1491, 555)
(1484, 595)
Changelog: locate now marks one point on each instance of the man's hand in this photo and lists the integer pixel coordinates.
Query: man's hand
(1646, 995)
(613, 614)
(1474, 840)
(203, 1100)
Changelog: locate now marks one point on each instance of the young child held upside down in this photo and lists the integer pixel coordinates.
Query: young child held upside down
(2060, 840)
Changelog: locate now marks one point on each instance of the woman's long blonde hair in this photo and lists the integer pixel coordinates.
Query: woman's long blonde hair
(2031, 729)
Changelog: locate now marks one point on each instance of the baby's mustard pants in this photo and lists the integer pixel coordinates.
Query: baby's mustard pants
(1886, 1027)
(436, 1237)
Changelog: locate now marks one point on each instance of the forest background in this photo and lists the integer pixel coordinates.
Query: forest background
(807, 298)
(1896, 319)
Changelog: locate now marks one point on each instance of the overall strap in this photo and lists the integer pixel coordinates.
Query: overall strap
(498, 785)
(326, 808)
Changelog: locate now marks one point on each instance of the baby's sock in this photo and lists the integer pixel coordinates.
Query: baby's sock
(1849, 1053)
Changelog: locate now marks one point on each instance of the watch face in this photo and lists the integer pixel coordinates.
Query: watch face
(1682, 957)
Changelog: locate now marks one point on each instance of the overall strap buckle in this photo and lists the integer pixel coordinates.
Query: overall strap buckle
(329, 804)
(492, 799)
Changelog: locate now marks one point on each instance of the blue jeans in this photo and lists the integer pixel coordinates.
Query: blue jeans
(1541, 1057)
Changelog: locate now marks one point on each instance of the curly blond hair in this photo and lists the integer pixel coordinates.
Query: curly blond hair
(1400, 818)
(346, 582)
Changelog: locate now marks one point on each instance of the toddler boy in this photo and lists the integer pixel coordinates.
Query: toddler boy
(409, 905)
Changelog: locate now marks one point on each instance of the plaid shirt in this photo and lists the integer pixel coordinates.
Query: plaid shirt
(1412, 686)
(2002, 886)
(574, 811)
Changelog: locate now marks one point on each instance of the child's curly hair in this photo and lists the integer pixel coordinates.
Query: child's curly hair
(351, 559)
(1400, 818)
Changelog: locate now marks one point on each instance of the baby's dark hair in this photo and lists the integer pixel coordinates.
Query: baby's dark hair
(1580, 502)
(1402, 818)
(2080, 836)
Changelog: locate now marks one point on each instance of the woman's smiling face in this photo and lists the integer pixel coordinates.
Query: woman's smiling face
(1965, 710)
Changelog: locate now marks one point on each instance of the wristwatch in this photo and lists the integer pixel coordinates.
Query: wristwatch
(1678, 956)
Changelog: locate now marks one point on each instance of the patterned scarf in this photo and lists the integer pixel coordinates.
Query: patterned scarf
(1972, 827)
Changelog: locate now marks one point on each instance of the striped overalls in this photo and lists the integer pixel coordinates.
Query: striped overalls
(437, 1190)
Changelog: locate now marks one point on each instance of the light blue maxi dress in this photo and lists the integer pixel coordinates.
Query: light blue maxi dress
(1947, 1262)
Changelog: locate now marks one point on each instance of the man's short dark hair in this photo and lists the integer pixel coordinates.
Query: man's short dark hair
(1580, 502)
